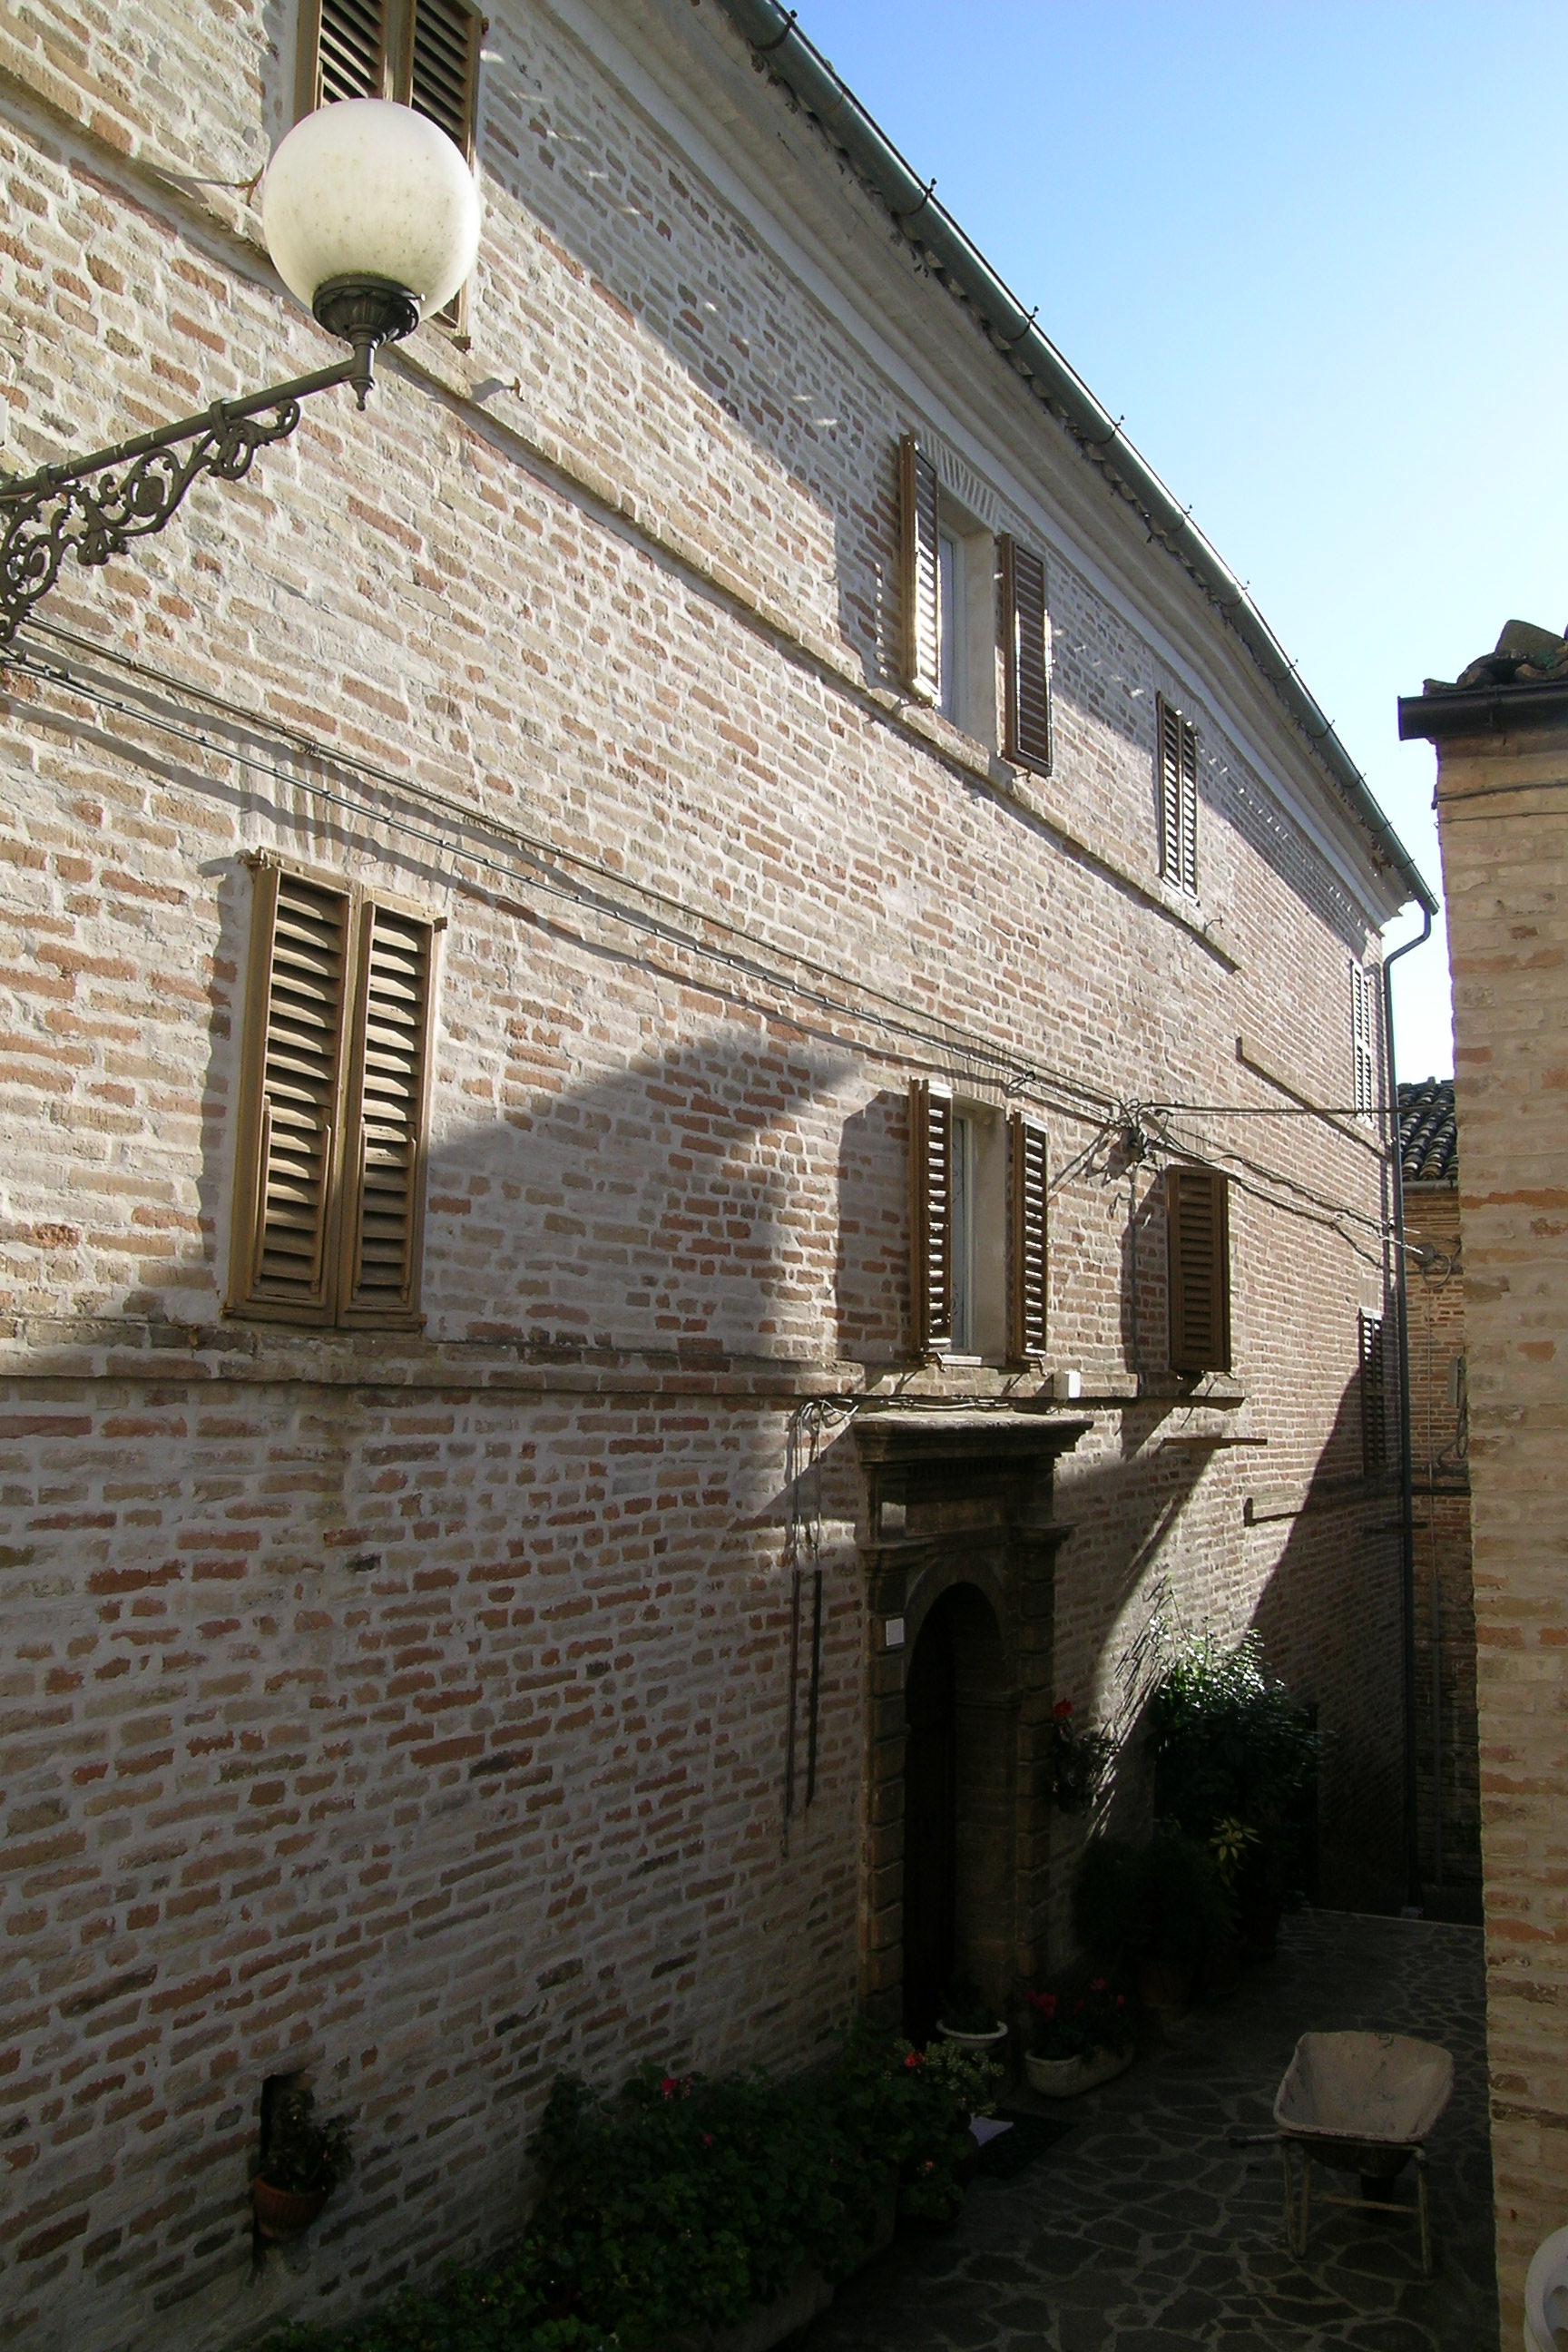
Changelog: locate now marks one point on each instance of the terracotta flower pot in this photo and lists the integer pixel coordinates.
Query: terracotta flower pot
(1165, 1990)
(1065, 2078)
(284, 2212)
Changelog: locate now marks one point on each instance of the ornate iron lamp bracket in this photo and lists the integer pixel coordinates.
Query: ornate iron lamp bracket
(93, 507)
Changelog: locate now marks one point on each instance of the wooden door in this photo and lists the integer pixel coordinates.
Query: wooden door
(929, 1825)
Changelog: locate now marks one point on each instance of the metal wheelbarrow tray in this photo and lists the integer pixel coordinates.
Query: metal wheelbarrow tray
(1362, 2103)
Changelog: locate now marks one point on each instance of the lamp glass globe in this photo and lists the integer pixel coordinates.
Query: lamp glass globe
(367, 189)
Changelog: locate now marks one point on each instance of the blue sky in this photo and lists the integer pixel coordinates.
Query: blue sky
(1310, 253)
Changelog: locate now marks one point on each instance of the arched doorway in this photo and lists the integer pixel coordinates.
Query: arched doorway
(958, 1810)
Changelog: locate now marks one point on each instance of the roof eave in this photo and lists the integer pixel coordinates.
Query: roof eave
(778, 45)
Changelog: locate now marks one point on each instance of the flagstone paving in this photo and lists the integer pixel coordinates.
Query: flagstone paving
(1143, 2229)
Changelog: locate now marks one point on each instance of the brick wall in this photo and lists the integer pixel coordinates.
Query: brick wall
(1504, 869)
(411, 1712)
(1449, 1790)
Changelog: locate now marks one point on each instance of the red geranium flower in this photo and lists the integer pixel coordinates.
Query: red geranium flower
(1046, 2002)
(1062, 1709)
(1098, 1985)
(668, 2088)
(915, 2058)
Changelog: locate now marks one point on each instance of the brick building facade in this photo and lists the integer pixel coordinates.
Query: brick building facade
(1448, 1788)
(425, 1688)
(1501, 735)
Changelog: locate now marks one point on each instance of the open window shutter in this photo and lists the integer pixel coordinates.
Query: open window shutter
(1178, 797)
(1028, 1272)
(444, 68)
(290, 1100)
(1187, 864)
(918, 497)
(387, 1120)
(1028, 695)
(343, 52)
(1197, 1224)
(1363, 1048)
(930, 1215)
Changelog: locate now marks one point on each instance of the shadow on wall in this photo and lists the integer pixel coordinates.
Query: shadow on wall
(1331, 1617)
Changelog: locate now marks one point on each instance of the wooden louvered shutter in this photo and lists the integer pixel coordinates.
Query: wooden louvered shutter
(1374, 1397)
(444, 68)
(1027, 730)
(388, 1116)
(930, 1215)
(344, 52)
(1197, 1225)
(922, 569)
(1178, 798)
(1363, 1048)
(291, 1090)
(1028, 1270)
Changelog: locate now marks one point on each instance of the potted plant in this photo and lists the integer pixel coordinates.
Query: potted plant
(1153, 1912)
(1234, 1757)
(1078, 2040)
(1186, 1916)
(952, 2084)
(1078, 1759)
(303, 2161)
(968, 2019)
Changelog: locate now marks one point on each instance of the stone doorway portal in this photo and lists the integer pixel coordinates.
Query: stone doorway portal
(958, 1550)
(958, 1810)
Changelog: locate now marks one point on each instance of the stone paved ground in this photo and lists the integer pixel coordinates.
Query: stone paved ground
(1143, 2229)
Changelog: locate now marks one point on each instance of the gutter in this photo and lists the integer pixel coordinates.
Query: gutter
(1480, 709)
(780, 49)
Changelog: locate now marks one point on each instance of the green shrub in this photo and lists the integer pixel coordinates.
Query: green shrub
(1233, 1752)
(681, 2201)
(1165, 1900)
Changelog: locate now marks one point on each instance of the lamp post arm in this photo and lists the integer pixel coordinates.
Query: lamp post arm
(65, 508)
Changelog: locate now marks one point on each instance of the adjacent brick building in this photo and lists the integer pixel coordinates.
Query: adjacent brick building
(1501, 734)
(610, 970)
(1448, 1784)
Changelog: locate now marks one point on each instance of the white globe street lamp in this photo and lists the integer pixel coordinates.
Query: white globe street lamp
(372, 217)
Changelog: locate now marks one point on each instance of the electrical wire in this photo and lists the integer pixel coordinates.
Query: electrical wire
(893, 1016)
(1081, 1100)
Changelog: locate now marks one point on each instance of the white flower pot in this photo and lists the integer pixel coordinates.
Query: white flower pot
(1064, 2078)
(979, 2042)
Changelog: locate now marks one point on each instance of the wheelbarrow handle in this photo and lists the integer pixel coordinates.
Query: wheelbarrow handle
(1240, 2138)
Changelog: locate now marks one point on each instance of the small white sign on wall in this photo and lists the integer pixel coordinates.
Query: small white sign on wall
(893, 1632)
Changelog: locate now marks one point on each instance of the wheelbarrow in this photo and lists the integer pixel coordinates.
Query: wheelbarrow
(1362, 2103)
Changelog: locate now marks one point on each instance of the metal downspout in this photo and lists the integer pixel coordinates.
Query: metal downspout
(1406, 1467)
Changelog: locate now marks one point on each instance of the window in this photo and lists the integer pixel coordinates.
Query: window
(1178, 797)
(1364, 1040)
(422, 52)
(1197, 1237)
(919, 535)
(951, 584)
(1373, 1396)
(333, 1106)
(1026, 657)
(977, 1223)
(949, 570)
